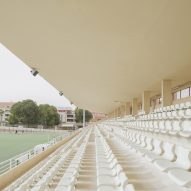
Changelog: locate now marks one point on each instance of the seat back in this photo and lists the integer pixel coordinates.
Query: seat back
(168, 124)
(176, 125)
(183, 157)
(143, 140)
(157, 146)
(169, 151)
(186, 125)
(149, 142)
(124, 180)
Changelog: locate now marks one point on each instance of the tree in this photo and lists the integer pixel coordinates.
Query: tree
(1, 115)
(79, 115)
(25, 112)
(48, 115)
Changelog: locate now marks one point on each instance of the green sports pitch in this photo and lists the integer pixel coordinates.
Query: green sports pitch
(12, 144)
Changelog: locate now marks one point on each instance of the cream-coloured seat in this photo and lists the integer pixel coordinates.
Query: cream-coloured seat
(186, 128)
(168, 153)
(183, 160)
(180, 176)
(157, 151)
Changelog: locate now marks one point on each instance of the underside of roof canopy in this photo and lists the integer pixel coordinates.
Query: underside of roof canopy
(101, 51)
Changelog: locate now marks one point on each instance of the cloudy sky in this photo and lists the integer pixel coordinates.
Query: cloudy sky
(17, 83)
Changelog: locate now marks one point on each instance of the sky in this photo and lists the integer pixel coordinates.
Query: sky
(17, 83)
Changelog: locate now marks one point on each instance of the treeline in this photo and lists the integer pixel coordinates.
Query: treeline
(79, 115)
(28, 113)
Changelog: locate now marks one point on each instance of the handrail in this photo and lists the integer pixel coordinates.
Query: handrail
(24, 129)
(11, 163)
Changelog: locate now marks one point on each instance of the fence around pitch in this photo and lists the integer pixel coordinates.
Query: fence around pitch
(9, 164)
(29, 130)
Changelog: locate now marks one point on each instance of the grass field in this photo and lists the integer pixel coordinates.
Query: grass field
(13, 144)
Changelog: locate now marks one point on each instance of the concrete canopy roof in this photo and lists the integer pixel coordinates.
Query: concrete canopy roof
(100, 51)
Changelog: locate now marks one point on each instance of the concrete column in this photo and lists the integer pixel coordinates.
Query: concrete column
(113, 114)
(146, 102)
(134, 106)
(166, 94)
(116, 113)
(84, 117)
(122, 110)
(127, 109)
(119, 111)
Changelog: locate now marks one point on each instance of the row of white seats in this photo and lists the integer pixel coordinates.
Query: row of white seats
(56, 169)
(106, 179)
(168, 157)
(42, 183)
(170, 127)
(109, 172)
(69, 178)
(172, 111)
(178, 106)
(26, 180)
(172, 120)
(179, 111)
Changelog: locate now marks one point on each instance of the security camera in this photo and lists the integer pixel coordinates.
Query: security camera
(34, 71)
(61, 93)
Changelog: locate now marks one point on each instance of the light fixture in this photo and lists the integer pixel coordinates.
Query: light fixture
(61, 93)
(34, 71)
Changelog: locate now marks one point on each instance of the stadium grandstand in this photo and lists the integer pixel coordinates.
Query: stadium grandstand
(128, 59)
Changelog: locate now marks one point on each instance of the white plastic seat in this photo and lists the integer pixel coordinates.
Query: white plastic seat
(106, 171)
(129, 187)
(188, 105)
(150, 156)
(168, 125)
(180, 176)
(167, 152)
(176, 128)
(65, 188)
(187, 112)
(183, 160)
(148, 147)
(105, 188)
(186, 128)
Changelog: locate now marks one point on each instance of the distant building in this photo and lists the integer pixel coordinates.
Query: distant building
(5, 107)
(67, 116)
(98, 116)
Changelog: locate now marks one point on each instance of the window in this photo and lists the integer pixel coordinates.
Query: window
(182, 93)
(178, 95)
(185, 93)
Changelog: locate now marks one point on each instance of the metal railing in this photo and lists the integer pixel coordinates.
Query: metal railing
(9, 164)
(26, 130)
